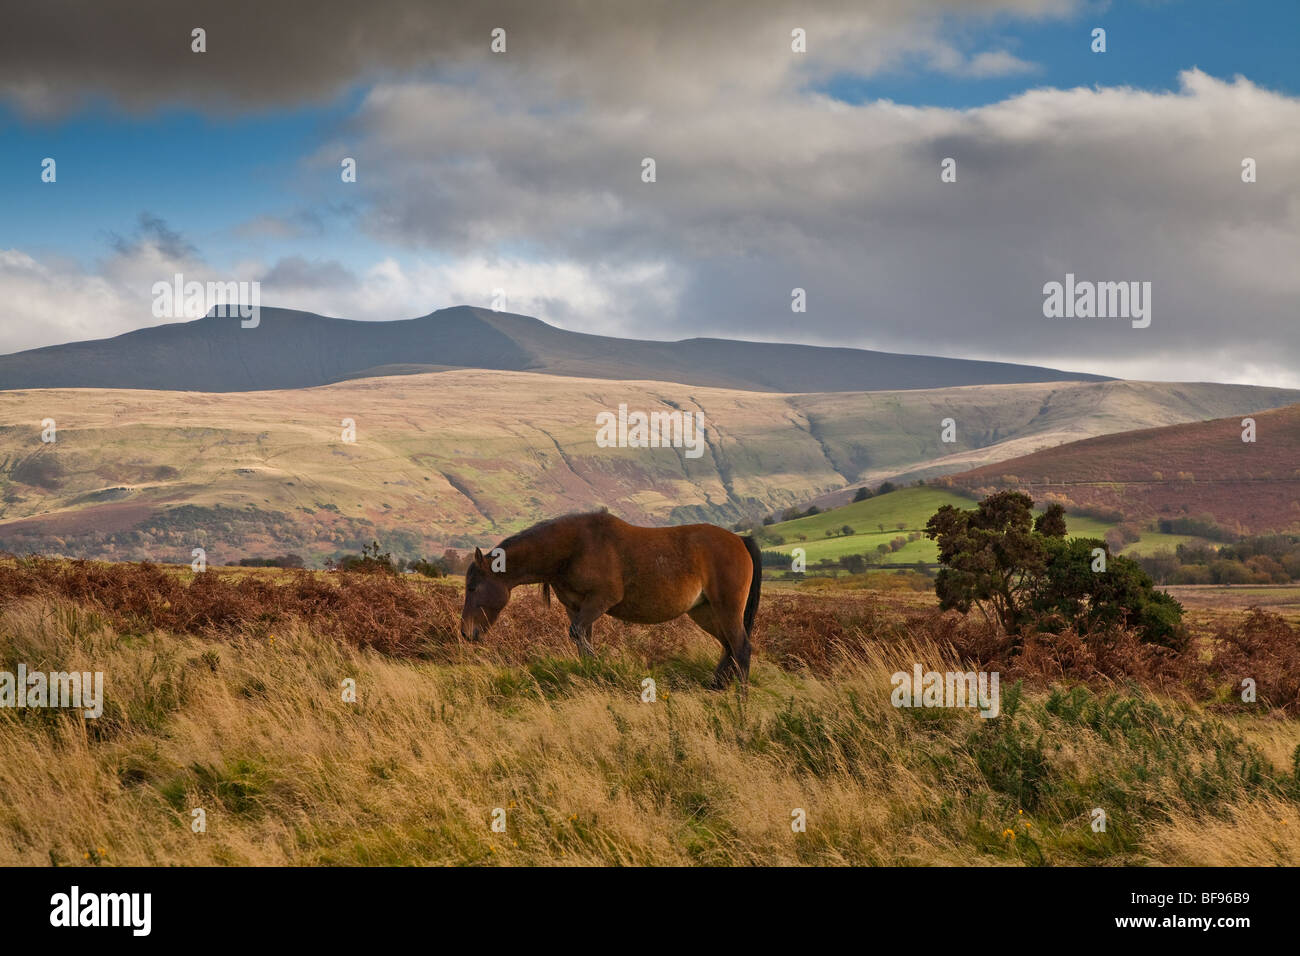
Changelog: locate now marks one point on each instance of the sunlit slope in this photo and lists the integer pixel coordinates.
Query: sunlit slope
(465, 456)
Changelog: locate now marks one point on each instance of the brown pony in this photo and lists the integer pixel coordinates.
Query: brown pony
(597, 564)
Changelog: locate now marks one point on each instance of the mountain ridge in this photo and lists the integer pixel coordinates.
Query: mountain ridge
(292, 349)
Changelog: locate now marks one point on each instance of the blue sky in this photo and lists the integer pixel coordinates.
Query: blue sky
(206, 175)
(1148, 43)
(522, 171)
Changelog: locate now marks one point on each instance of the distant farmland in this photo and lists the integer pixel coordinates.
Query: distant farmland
(910, 508)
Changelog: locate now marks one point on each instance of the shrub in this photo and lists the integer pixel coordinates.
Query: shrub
(370, 561)
(994, 558)
(1264, 648)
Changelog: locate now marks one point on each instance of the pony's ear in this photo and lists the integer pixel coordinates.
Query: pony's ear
(478, 557)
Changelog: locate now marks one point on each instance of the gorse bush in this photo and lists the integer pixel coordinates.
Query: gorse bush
(1028, 576)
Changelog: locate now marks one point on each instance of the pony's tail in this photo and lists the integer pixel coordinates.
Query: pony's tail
(546, 594)
(755, 584)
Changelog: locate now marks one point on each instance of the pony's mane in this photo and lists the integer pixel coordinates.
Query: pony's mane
(546, 525)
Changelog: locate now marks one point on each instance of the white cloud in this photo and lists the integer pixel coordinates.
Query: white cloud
(52, 301)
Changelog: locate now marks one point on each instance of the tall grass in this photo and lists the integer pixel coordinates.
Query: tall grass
(242, 714)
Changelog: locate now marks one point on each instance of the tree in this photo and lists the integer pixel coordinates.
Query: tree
(1161, 565)
(370, 561)
(430, 569)
(1051, 522)
(1033, 578)
(862, 494)
(990, 557)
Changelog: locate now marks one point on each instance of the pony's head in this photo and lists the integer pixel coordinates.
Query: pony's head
(485, 596)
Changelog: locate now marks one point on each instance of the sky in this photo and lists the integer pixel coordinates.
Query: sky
(775, 169)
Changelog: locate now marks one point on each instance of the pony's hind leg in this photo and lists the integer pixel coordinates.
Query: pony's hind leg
(703, 616)
(737, 653)
(731, 631)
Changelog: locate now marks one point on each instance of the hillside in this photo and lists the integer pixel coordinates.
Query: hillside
(463, 457)
(1180, 471)
(1200, 478)
(1009, 422)
(290, 349)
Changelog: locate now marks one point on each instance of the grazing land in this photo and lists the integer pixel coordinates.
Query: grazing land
(223, 693)
(881, 520)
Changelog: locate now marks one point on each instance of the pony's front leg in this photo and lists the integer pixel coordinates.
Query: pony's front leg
(582, 637)
(581, 620)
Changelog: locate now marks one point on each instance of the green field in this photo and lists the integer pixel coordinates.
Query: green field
(909, 507)
(906, 511)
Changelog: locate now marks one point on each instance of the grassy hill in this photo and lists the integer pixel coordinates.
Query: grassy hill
(1011, 422)
(226, 697)
(1200, 479)
(463, 457)
(898, 513)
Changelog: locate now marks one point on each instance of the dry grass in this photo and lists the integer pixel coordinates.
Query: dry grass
(238, 709)
(1258, 833)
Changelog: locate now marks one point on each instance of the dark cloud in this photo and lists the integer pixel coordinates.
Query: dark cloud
(56, 53)
(299, 224)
